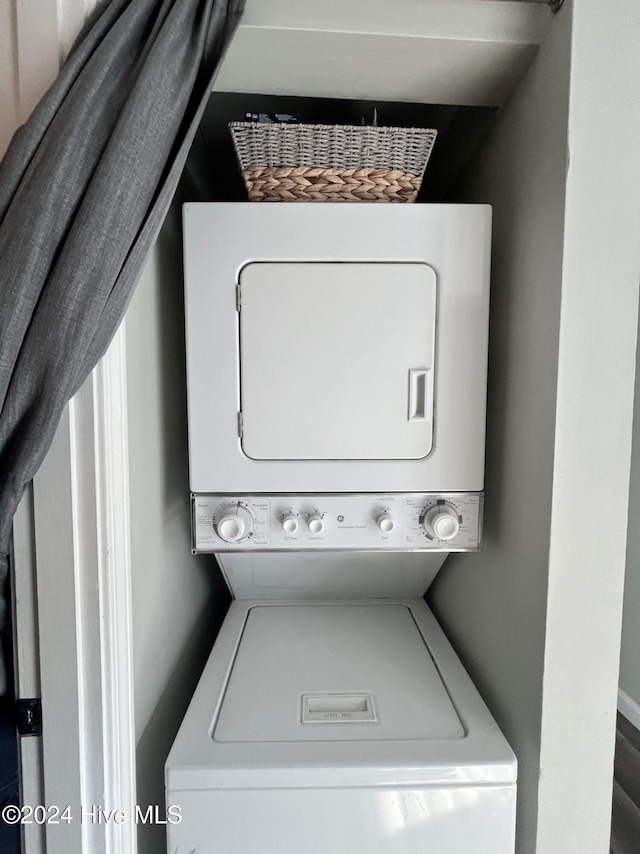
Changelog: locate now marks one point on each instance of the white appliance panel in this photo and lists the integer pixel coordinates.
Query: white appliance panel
(389, 522)
(224, 239)
(441, 819)
(336, 360)
(334, 673)
(331, 575)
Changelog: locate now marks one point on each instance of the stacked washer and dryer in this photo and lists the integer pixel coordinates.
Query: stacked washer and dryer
(337, 359)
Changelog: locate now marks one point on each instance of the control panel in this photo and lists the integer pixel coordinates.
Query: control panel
(450, 522)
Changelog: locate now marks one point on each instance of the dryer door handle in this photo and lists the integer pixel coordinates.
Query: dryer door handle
(421, 395)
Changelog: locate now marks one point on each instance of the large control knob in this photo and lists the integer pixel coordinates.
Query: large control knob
(441, 522)
(234, 523)
(315, 523)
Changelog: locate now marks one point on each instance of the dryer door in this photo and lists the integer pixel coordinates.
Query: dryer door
(337, 360)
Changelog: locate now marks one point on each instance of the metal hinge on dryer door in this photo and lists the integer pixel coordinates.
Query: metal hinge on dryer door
(240, 428)
(238, 298)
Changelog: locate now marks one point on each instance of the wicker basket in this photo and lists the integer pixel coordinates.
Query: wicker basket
(331, 163)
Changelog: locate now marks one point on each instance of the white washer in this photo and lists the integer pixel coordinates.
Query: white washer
(336, 363)
(339, 727)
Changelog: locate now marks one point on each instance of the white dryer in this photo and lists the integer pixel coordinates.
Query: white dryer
(336, 348)
(336, 381)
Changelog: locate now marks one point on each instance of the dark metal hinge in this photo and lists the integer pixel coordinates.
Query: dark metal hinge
(555, 4)
(29, 716)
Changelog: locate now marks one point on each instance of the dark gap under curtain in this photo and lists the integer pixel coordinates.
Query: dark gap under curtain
(84, 188)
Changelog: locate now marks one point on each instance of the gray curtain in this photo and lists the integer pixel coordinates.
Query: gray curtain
(84, 188)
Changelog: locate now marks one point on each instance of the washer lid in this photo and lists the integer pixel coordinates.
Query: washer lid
(343, 672)
(337, 360)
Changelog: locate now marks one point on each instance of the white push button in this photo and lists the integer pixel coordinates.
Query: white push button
(290, 524)
(316, 524)
(385, 523)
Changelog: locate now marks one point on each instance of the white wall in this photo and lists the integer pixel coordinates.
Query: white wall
(436, 52)
(493, 604)
(536, 616)
(629, 697)
(177, 599)
(598, 328)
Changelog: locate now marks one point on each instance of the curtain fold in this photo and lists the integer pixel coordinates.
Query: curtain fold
(84, 188)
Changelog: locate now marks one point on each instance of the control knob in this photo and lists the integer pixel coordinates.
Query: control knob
(315, 523)
(234, 523)
(290, 524)
(441, 522)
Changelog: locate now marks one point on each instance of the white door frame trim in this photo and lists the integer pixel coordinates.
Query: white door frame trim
(114, 584)
(80, 526)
